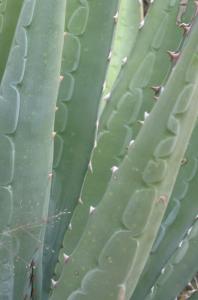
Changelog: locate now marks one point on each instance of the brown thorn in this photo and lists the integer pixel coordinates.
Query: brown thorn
(156, 89)
(163, 199)
(173, 55)
(185, 27)
(65, 257)
(184, 161)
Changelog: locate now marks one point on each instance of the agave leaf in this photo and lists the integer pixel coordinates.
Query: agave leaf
(179, 269)
(182, 210)
(28, 91)
(113, 142)
(84, 64)
(153, 36)
(9, 13)
(179, 215)
(142, 185)
(129, 19)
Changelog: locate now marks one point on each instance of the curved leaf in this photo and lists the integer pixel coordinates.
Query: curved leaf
(151, 174)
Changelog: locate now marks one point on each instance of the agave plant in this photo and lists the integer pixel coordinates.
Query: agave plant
(98, 149)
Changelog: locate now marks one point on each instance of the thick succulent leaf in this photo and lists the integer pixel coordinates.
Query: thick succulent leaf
(129, 19)
(179, 270)
(113, 142)
(181, 211)
(89, 30)
(142, 185)
(179, 215)
(154, 38)
(9, 13)
(27, 103)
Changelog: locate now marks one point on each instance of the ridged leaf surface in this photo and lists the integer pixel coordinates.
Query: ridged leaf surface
(110, 233)
(182, 210)
(88, 34)
(114, 140)
(129, 18)
(27, 104)
(179, 269)
(9, 13)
